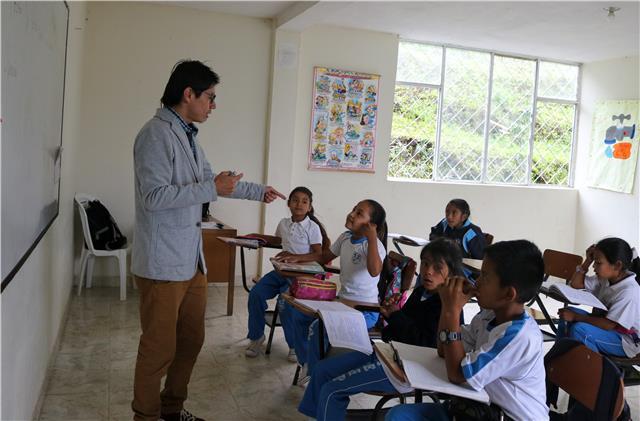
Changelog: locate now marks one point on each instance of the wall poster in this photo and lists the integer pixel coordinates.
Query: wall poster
(614, 145)
(344, 117)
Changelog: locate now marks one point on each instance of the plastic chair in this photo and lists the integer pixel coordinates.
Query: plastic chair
(89, 252)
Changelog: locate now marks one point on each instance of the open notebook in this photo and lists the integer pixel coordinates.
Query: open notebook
(425, 370)
(575, 296)
(309, 267)
(345, 326)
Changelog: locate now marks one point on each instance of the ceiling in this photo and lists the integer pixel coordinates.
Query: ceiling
(562, 30)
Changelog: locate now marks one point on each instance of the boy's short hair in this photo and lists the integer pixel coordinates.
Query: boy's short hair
(188, 73)
(518, 264)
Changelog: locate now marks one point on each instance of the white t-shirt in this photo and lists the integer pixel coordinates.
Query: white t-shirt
(507, 361)
(355, 282)
(297, 237)
(623, 301)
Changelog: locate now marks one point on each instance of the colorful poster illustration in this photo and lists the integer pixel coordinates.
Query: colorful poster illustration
(614, 145)
(343, 120)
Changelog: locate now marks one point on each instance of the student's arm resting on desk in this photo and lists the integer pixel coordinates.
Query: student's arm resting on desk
(316, 255)
(154, 168)
(453, 299)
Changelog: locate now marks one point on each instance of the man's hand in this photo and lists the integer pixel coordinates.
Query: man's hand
(271, 194)
(225, 182)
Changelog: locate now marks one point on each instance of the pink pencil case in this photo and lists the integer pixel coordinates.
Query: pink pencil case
(313, 289)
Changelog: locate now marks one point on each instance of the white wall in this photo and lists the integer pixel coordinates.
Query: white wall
(604, 213)
(544, 215)
(34, 303)
(131, 49)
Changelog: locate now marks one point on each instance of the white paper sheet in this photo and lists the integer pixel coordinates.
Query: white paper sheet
(427, 371)
(577, 296)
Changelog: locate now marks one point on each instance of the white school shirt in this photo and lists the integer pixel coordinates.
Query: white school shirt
(507, 361)
(297, 237)
(355, 282)
(623, 303)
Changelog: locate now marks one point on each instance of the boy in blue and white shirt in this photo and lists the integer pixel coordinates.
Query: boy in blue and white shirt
(501, 350)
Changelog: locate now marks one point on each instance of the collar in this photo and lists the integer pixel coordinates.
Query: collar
(492, 323)
(305, 221)
(358, 241)
(188, 128)
(622, 283)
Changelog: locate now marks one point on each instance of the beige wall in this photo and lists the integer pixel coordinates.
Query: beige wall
(34, 303)
(544, 215)
(131, 49)
(604, 213)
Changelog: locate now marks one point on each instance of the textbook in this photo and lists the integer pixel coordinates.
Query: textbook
(308, 267)
(414, 241)
(344, 325)
(575, 296)
(425, 370)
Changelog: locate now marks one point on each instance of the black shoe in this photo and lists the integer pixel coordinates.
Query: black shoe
(183, 415)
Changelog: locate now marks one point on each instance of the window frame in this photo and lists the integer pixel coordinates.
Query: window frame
(534, 104)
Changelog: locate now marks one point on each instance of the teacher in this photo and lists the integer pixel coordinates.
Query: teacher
(172, 180)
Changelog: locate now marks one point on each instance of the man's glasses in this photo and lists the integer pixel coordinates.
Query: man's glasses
(212, 97)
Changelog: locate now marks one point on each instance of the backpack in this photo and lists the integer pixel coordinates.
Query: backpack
(104, 231)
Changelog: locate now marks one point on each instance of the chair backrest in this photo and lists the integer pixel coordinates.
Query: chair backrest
(81, 201)
(488, 239)
(560, 264)
(580, 372)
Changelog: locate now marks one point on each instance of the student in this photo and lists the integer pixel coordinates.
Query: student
(302, 235)
(457, 226)
(617, 273)
(501, 350)
(335, 379)
(362, 250)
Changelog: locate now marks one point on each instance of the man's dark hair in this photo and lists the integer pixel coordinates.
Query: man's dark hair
(518, 264)
(188, 73)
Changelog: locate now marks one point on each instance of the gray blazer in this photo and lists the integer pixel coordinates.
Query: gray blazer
(170, 188)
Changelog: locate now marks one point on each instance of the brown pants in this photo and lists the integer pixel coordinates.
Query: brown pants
(172, 320)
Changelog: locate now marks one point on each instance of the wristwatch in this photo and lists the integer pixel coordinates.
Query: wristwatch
(446, 336)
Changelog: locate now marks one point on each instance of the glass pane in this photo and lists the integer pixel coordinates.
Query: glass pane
(419, 63)
(552, 143)
(510, 123)
(463, 115)
(559, 81)
(413, 132)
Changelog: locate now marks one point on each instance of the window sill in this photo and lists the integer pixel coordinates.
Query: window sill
(477, 184)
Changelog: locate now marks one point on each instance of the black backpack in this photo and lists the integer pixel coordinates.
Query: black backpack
(105, 233)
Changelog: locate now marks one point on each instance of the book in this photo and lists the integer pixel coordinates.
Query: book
(425, 370)
(407, 239)
(241, 242)
(575, 296)
(345, 326)
(308, 267)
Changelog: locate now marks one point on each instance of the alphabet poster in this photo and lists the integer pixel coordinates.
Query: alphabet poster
(343, 120)
(614, 145)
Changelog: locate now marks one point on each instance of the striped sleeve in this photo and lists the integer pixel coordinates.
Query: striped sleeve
(490, 360)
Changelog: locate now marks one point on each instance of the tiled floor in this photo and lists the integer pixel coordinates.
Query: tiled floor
(92, 375)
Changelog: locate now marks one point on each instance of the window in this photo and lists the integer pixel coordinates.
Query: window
(482, 117)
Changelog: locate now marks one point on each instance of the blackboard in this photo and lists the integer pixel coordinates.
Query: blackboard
(34, 51)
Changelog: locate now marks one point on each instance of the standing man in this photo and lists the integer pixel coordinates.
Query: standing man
(172, 180)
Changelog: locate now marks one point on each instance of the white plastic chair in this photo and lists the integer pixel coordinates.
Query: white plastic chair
(89, 252)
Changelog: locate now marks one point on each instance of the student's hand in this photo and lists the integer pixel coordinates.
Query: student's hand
(568, 315)
(370, 231)
(271, 194)
(286, 257)
(589, 256)
(390, 305)
(225, 182)
(452, 293)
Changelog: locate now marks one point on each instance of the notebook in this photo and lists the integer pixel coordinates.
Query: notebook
(308, 267)
(575, 296)
(425, 370)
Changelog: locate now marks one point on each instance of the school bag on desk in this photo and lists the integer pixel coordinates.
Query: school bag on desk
(105, 233)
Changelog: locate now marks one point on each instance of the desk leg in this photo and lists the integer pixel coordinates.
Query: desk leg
(244, 271)
(546, 314)
(231, 276)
